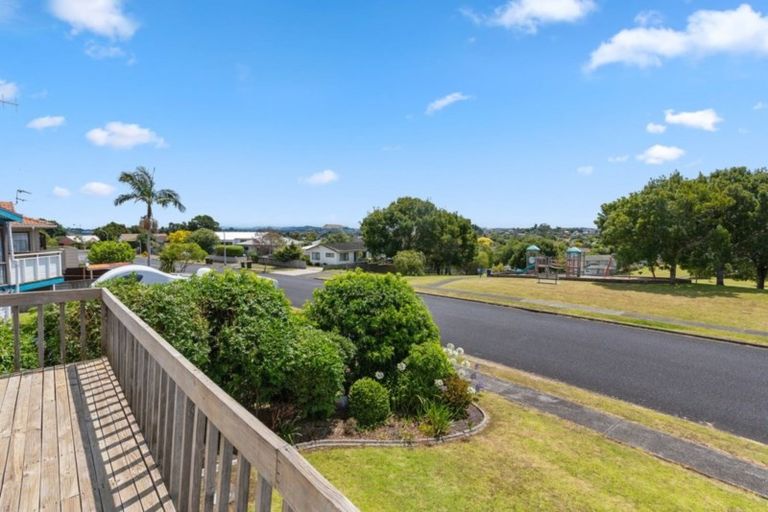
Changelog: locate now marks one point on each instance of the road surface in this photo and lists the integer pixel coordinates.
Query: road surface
(706, 381)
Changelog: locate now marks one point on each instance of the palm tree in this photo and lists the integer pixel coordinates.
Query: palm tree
(142, 185)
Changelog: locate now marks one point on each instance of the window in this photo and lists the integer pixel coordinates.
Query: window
(330, 255)
(21, 242)
(315, 256)
(344, 256)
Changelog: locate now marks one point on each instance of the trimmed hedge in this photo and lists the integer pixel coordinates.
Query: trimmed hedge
(234, 251)
(368, 402)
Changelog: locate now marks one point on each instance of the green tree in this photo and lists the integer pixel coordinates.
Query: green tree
(111, 231)
(110, 252)
(337, 237)
(446, 239)
(180, 253)
(289, 252)
(205, 238)
(202, 222)
(410, 263)
(143, 190)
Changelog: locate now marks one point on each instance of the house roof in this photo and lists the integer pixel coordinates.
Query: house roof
(82, 239)
(8, 212)
(346, 246)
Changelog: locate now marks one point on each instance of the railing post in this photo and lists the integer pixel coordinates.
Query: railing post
(62, 332)
(104, 326)
(83, 330)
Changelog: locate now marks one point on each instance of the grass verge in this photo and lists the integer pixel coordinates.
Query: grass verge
(524, 460)
(732, 444)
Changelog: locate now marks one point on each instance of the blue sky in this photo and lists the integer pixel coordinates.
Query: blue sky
(284, 113)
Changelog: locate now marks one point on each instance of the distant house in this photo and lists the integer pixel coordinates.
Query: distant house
(348, 253)
(256, 242)
(133, 238)
(25, 264)
(71, 240)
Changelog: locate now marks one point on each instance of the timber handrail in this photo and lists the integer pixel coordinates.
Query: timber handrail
(198, 434)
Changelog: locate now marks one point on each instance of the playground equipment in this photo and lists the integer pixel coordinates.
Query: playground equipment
(531, 253)
(574, 262)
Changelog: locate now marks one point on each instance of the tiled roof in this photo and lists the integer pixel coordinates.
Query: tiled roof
(26, 221)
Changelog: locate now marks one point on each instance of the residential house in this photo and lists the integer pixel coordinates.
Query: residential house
(262, 243)
(343, 254)
(25, 264)
(77, 240)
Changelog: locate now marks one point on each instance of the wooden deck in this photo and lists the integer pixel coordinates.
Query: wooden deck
(69, 441)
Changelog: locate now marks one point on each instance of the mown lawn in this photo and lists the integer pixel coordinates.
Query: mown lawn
(723, 306)
(525, 460)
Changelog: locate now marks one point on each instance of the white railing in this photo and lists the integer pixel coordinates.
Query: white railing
(35, 266)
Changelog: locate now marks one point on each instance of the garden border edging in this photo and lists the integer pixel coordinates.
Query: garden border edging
(394, 443)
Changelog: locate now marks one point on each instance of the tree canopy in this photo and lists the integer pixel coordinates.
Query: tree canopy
(709, 225)
(445, 238)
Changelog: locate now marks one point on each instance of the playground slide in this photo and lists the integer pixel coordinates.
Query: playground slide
(526, 270)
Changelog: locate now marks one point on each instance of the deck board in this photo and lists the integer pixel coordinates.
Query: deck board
(69, 441)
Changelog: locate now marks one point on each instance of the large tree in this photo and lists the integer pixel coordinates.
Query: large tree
(203, 222)
(446, 239)
(143, 190)
(111, 231)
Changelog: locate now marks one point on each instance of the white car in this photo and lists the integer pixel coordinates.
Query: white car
(149, 275)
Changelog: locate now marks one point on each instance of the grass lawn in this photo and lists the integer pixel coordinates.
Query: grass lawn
(729, 306)
(524, 460)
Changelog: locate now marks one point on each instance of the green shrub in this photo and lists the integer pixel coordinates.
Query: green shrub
(317, 372)
(181, 253)
(410, 263)
(205, 238)
(368, 402)
(171, 310)
(253, 359)
(457, 395)
(423, 376)
(27, 348)
(381, 314)
(72, 329)
(110, 252)
(233, 251)
(290, 252)
(436, 418)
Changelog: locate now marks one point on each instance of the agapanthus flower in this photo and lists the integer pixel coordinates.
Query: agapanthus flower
(379, 375)
(451, 346)
(439, 383)
(471, 390)
(401, 367)
(460, 351)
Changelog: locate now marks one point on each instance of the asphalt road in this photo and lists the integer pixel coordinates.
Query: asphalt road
(706, 381)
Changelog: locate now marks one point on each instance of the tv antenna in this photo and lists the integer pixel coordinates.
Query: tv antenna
(19, 195)
(4, 102)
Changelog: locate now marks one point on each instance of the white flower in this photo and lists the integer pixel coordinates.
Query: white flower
(453, 360)
(462, 373)
(460, 351)
(451, 346)
(471, 390)
(401, 367)
(379, 375)
(439, 383)
(466, 364)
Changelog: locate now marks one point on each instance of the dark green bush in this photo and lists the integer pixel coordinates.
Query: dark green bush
(290, 252)
(425, 367)
(233, 251)
(456, 395)
(410, 263)
(27, 349)
(368, 402)
(205, 238)
(72, 329)
(110, 252)
(381, 314)
(317, 372)
(170, 309)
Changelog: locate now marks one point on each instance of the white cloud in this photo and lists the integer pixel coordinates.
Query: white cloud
(124, 136)
(61, 191)
(655, 128)
(740, 31)
(8, 90)
(706, 119)
(649, 18)
(441, 103)
(99, 52)
(321, 178)
(41, 123)
(97, 188)
(585, 170)
(760, 105)
(528, 15)
(103, 17)
(658, 154)
(618, 159)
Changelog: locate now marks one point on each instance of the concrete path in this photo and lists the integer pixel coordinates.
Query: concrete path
(435, 288)
(707, 461)
(297, 271)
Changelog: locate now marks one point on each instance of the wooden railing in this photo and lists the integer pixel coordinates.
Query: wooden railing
(196, 432)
